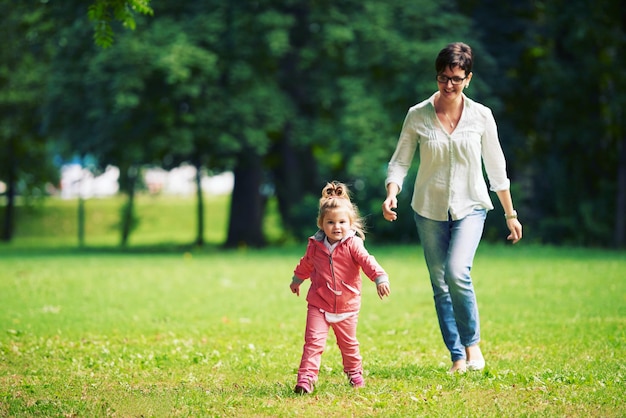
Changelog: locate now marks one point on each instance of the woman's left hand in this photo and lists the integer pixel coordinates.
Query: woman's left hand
(515, 227)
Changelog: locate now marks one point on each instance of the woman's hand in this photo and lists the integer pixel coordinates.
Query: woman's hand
(515, 227)
(511, 221)
(391, 202)
(388, 205)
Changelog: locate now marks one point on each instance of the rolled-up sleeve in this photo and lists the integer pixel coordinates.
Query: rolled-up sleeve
(402, 158)
(492, 154)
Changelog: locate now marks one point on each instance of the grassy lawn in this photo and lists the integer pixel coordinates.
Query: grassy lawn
(166, 221)
(97, 332)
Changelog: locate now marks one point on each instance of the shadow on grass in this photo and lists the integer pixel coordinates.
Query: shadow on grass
(33, 250)
(165, 248)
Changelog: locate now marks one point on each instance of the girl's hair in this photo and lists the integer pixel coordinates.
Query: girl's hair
(456, 54)
(335, 195)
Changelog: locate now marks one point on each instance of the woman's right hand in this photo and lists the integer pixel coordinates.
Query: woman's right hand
(388, 205)
(391, 202)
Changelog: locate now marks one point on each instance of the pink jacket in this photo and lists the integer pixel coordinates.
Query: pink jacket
(336, 278)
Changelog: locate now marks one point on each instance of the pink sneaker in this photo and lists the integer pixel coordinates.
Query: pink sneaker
(356, 380)
(304, 387)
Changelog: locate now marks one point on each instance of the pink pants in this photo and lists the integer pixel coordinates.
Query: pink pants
(315, 342)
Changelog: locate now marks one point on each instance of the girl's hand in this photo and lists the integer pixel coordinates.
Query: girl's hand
(516, 230)
(295, 288)
(383, 290)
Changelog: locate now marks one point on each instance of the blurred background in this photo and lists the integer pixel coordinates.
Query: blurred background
(265, 101)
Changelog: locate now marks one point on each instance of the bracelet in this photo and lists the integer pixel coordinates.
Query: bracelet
(512, 215)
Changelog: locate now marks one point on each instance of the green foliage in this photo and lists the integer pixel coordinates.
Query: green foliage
(26, 157)
(103, 12)
(565, 84)
(212, 333)
(317, 91)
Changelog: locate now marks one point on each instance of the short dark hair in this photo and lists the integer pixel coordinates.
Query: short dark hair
(456, 54)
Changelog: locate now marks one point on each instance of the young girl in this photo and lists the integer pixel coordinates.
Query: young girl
(332, 261)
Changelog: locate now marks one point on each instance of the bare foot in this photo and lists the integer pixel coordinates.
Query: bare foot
(458, 366)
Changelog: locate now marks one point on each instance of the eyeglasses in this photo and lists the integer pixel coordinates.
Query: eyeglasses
(443, 79)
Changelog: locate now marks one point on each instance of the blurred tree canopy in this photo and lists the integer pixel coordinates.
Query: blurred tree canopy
(103, 12)
(26, 153)
(291, 94)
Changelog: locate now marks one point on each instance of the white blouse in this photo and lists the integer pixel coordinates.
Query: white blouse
(450, 176)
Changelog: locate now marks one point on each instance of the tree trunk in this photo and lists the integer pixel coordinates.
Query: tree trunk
(287, 174)
(614, 131)
(128, 213)
(294, 168)
(620, 214)
(247, 207)
(81, 221)
(200, 206)
(9, 210)
(295, 174)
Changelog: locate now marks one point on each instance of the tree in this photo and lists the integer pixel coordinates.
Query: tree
(134, 104)
(300, 93)
(351, 70)
(291, 94)
(26, 161)
(573, 121)
(562, 90)
(103, 12)
(253, 35)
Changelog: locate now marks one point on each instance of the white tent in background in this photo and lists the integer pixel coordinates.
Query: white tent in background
(77, 181)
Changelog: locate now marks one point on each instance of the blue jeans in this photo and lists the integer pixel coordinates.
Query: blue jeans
(449, 249)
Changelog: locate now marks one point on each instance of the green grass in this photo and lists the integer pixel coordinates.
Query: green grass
(162, 220)
(164, 329)
(212, 333)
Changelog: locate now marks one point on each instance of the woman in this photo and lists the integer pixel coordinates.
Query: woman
(455, 135)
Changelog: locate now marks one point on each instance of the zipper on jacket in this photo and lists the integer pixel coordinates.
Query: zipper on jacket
(332, 273)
